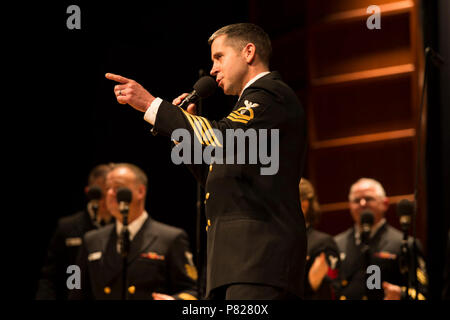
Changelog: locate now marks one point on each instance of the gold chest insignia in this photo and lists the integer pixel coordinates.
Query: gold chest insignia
(243, 114)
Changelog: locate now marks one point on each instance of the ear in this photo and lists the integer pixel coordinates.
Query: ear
(141, 191)
(249, 52)
(86, 189)
(386, 203)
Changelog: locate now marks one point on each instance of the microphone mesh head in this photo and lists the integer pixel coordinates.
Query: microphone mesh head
(94, 193)
(367, 217)
(124, 194)
(205, 86)
(405, 208)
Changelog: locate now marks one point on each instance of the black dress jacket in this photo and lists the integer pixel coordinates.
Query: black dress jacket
(256, 231)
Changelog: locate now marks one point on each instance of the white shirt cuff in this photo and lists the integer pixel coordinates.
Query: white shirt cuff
(150, 114)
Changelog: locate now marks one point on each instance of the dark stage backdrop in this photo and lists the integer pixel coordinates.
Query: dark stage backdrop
(67, 118)
(73, 121)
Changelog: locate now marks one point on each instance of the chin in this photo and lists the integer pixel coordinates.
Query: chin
(229, 92)
(226, 90)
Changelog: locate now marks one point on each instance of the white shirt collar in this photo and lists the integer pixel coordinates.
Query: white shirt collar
(90, 211)
(133, 227)
(259, 75)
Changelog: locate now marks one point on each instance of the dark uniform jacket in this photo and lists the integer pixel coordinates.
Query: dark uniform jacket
(159, 261)
(319, 242)
(385, 249)
(256, 230)
(62, 252)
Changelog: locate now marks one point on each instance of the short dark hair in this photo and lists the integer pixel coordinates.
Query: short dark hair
(239, 34)
(99, 171)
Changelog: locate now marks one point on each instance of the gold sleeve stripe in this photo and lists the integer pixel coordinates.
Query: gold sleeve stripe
(210, 130)
(193, 126)
(237, 117)
(200, 129)
(198, 125)
(252, 114)
(205, 131)
(243, 116)
(236, 120)
(421, 277)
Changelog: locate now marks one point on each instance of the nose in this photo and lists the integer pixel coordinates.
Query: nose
(110, 192)
(362, 202)
(214, 70)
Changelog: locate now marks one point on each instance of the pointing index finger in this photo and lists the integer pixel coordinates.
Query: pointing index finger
(116, 77)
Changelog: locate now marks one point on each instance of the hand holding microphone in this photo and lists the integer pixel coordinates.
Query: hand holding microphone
(203, 88)
(191, 108)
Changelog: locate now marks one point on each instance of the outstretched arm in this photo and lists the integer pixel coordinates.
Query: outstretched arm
(131, 92)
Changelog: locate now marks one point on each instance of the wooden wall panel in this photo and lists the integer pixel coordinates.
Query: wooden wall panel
(335, 52)
(361, 91)
(361, 108)
(335, 169)
(342, 219)
(320, 11)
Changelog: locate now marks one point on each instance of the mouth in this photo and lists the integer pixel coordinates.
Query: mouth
(219, 82)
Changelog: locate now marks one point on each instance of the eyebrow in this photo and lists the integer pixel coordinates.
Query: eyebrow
(217, 54)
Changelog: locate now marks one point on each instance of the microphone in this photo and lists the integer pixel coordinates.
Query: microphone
(405, 210)
(367, 219)
(94, 194)
(124, 197)
(203, 88)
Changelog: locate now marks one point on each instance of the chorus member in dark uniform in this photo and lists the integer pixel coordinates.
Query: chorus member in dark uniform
(322, 261)
(67, 239)
(384, 250)
(256, 238)
(160, 264)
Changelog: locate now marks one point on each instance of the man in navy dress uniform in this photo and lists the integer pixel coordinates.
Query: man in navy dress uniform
(256, 238)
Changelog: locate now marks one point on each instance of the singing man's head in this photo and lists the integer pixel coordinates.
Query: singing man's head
(239, 52)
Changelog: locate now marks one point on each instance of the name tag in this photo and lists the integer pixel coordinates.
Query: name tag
(73, 242)
(94, 256)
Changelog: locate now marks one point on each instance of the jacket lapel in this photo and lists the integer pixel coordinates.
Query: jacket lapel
(377, 241)
(353, 257)
(113, 260)
(272, 75)
(143, 239)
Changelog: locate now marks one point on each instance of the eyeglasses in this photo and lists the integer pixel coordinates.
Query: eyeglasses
(366, 199)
